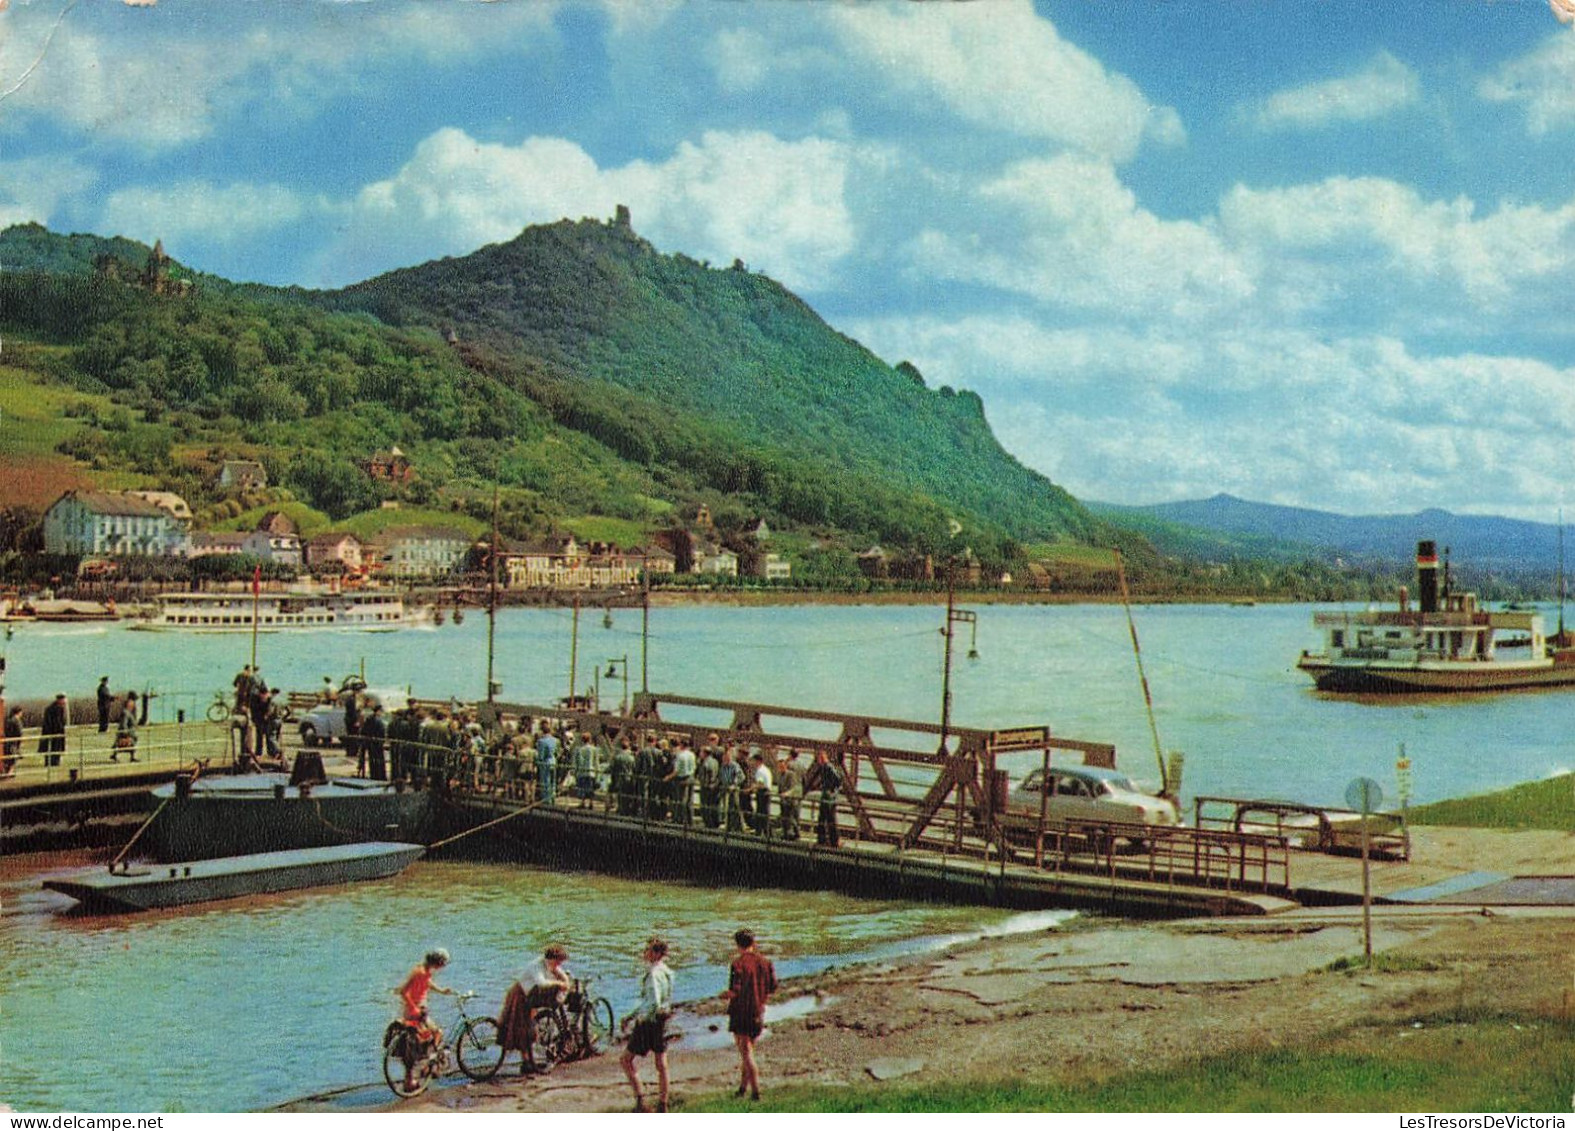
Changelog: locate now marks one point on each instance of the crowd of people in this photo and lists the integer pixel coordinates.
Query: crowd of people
(648, 775)
(546, 984)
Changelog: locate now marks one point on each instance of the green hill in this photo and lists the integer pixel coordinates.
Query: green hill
(575, 367)
(736, 350)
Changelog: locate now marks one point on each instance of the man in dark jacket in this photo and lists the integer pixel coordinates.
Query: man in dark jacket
(373, 732)
(52, 737)
(106, 699)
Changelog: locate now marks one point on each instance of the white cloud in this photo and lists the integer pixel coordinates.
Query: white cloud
(1002, 66)
(779, 205)
(195, 211)
(33, 187)
(1542, 81)
(1066, 232)
(1384, 86)
(1360, 425)
(1338, 231)
(132, 76)
(742, 58)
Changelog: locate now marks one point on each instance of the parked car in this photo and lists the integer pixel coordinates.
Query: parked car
(1085, 793)
(325, 723)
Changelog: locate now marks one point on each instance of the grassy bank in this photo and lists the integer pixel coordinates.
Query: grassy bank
(1546, 804)
(1499, 1063)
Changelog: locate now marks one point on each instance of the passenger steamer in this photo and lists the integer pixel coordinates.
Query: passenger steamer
(1446, 644)
(368, 610)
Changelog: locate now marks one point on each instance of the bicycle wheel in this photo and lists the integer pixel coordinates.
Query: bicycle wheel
(601, 1026)
(476, 1045)
(398, 1052)
(555, 1040)
(218, 711)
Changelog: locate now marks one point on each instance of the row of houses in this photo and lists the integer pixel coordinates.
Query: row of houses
(115, 524)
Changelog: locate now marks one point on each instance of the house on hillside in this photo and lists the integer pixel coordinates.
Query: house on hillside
(334, 553)
(392, 466)
(170, 501)
(112, 524)
(656, 560)
(423, 551)
(712, 558)
(277, 522)
(284, 549)
(772, 567)
(242, 475)
(205, 543)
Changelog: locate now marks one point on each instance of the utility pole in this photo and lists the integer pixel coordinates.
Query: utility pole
(492, 603)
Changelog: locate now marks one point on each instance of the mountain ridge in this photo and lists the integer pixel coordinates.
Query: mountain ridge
(1487, 542)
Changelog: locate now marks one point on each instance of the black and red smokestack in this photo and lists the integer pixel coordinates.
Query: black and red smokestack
(1427, 577)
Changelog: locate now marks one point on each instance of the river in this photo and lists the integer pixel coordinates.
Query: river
(249, 1004)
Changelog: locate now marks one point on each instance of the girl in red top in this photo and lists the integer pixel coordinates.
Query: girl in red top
(751, 980)
(413, 996)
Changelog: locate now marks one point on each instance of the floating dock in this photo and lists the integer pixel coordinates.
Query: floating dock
(143, 888)
(920, 815)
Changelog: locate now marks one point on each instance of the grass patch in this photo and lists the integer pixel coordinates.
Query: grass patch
(33, 413)
(1384, 962)
(621, 532)
(1071, 554)
(1546, 804)
(307, 521)
(1502, 1064)
(370, 525)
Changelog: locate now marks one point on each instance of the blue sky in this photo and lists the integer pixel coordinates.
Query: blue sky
(1320, 254)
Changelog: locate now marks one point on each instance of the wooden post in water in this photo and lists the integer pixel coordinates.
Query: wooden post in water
(574, 648)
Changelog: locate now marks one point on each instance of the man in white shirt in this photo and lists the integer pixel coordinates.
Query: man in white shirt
(681, 783)
(649, 1019)
(761, 779)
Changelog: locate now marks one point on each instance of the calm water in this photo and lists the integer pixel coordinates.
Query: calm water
(251, 1004)
(1225, 690)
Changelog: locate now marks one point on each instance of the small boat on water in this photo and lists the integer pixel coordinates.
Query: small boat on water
(145, 887)
(367, 610)
(1447, 643)
(53, 611)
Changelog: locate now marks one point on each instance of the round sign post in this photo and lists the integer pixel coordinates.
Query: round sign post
(1366, 795)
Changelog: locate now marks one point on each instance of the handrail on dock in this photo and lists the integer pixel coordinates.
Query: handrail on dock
(952, 801)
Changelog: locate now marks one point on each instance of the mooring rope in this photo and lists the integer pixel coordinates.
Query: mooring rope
(487, 825)
(196, 772)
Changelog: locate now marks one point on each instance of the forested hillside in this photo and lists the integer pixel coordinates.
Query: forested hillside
(585, 374)
(806, 406)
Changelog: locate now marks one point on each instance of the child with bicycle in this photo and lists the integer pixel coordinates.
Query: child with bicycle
(413, 996)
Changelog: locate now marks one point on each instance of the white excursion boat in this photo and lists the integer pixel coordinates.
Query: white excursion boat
(365, 610)
(1447, 643)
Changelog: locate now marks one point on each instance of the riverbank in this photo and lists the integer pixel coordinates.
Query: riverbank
(1093, 1004)
(1098, 1003)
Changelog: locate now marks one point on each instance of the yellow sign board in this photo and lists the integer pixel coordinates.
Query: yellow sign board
(1019, 738)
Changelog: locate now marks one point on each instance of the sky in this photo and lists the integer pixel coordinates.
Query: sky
(1319, 254)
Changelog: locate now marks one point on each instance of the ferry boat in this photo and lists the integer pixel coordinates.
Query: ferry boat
(365, 610)
(1447, 643)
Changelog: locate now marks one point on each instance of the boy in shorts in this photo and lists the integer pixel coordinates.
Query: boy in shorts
(649, 1034)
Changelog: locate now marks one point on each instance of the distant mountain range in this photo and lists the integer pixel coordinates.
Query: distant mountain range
(1225, 527)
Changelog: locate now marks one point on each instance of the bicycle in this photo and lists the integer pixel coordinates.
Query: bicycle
(407, 1055)
(222, 710)
(577, 1028)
